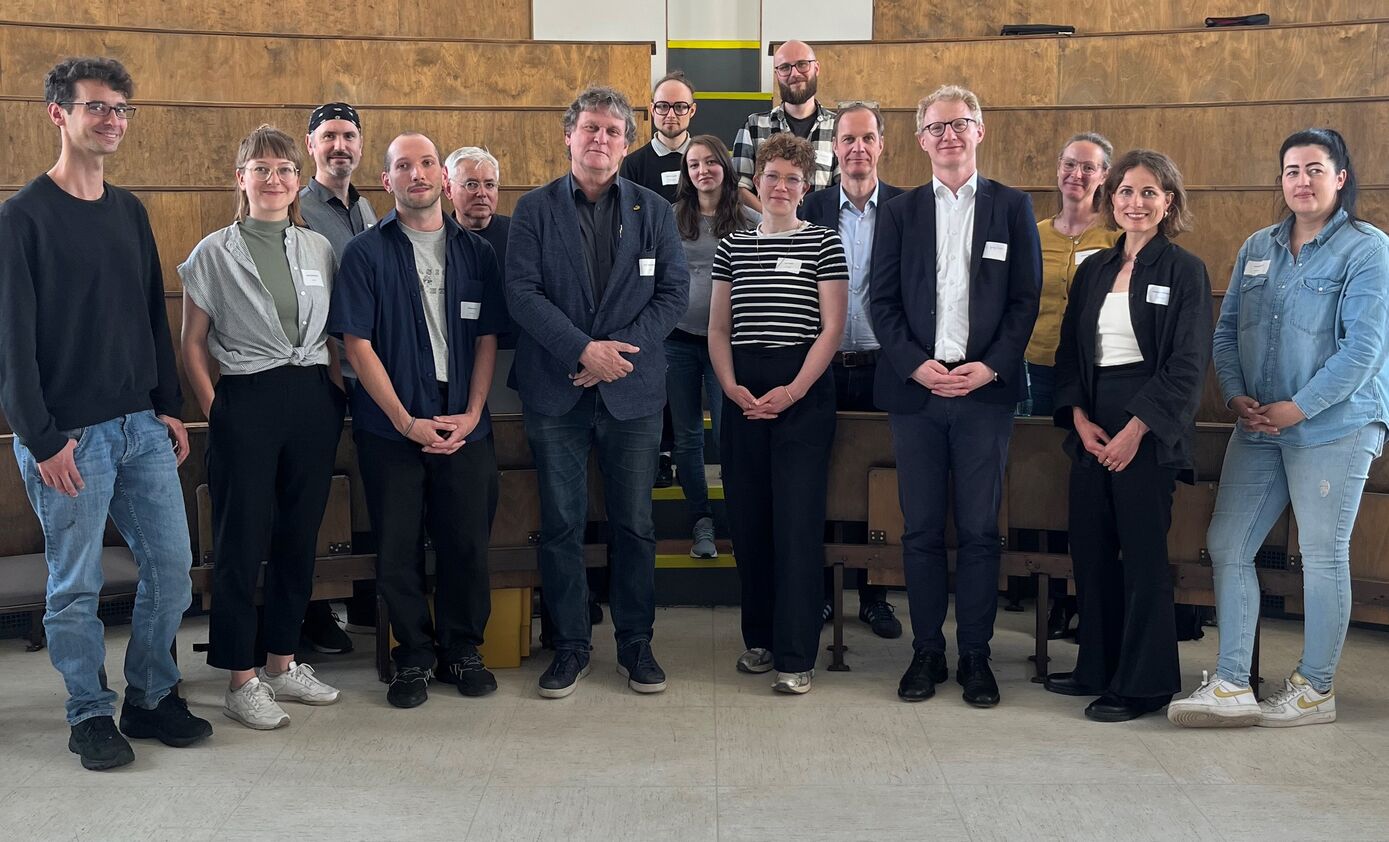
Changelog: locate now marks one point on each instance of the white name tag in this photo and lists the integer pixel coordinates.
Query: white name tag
(1159, 295)
(995, 251)
(1081, 255)
(671, 178)
(469, 309)
(1257, 267)
(312, 277)
(788, 264)
(824, 157)
(646, 266)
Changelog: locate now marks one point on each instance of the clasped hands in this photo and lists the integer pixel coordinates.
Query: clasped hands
(1113, 452)
(1271, 418)
(441, 435)
(777, 400)
(952, 383)
(602, 362)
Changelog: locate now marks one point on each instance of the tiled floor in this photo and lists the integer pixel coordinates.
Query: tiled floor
(716, 757)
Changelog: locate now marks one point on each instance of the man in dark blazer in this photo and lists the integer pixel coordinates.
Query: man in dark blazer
(852, 210)
(955, 285)
(596, 279)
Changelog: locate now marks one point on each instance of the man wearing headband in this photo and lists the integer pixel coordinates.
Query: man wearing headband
(332, 207)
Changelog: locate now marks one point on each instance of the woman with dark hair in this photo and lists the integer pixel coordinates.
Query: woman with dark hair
(706, 210)
(775, 321)
(1301, 352)
(255, 304)
(1134, 346)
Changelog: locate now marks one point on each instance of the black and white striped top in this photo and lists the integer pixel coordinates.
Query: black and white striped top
(775, 297)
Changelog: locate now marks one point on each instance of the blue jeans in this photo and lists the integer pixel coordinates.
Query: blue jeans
(690, 382)
(1260, 477)
(627, 456)
(130, 472)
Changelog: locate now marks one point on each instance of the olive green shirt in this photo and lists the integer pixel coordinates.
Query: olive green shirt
(266, 243)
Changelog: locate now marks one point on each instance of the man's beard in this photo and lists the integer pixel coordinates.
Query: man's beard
(790, 97)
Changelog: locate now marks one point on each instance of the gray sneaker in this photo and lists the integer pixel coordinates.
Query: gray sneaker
(703, 546)
(793, 682)
(755, 660)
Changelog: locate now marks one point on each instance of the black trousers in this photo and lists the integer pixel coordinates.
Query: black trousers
(775, 475)
(853, 391)
(272, 437)
(1118, 533)
(453, 498)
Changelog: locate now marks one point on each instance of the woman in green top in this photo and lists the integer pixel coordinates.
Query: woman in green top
(255, 303)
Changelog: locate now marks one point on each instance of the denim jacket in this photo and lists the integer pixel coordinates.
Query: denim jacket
(1314, 330)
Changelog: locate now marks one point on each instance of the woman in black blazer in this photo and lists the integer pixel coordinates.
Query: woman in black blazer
(1135, 345)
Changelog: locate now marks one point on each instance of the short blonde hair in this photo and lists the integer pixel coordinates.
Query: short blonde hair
(948, 93)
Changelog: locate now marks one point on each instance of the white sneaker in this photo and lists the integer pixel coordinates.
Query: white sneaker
(1216, 704)
(1298, 703)
(299, 684)
(793, 682)
(253, 705)
(755, 660)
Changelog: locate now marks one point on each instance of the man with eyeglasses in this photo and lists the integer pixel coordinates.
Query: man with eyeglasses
(954, 292)
(89, 385)
(656, 166)
(331, 206)
(800, 113)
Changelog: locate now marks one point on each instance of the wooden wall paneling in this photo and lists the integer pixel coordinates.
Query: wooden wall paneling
(862, 442)
(1038, 471)
(193, 67)
(911, 19)
(503, 19)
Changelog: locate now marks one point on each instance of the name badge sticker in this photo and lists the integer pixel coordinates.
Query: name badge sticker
(788, 264)
(1256, 267)
(824, 157)
(995, 251)
(469, 309)
(1159, 295)
(1081, 255)
(670, 179)
(312, 277)
(646, 266)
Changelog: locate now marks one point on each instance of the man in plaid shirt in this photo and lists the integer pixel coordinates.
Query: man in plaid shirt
(797, 76)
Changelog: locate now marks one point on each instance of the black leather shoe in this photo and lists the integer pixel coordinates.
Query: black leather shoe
(973, 673)
(919, 682)
(1065, 684)
(1114, 708)
(881, 618)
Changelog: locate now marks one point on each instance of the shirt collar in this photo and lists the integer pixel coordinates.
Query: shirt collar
(871, 204)
(578, 192)
(324, 195)
(821, 114)
(661, 150)
(1148, 255)
(391, 221)
(1283, 234)
(972, 184)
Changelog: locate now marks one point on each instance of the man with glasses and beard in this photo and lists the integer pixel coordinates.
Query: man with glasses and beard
(656, 166)
(800, 113)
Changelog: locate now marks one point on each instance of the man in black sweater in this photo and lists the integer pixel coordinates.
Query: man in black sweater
(656, 166)
(89, 385)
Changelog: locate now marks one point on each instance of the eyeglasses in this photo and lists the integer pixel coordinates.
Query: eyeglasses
(802, 67)
(97, 108)
(663, 107)
(1086, 168)
(262, 173)
(472, 185)
(959, 125)
(792, 182)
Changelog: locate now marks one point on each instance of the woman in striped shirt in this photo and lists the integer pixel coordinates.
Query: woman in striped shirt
(775, 321)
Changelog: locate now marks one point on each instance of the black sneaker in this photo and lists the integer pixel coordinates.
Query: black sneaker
(409, 688)
(636, 664)
(469, 675)
(665, 474)
(321, 631)
(564, 673)
(827, 613)
(595, 613)
(170, 722)
(99, 744)
(881, 617)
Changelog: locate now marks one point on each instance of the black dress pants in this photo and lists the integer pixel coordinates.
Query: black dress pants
(1118, 534)
(272, 438)
(775, 475)
(453, 498)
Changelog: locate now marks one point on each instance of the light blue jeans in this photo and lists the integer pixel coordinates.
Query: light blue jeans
(130, 472)
(1324, 483)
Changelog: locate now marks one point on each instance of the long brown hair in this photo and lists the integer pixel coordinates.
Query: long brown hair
(268, 142)
(1178, 218)
(728, 214)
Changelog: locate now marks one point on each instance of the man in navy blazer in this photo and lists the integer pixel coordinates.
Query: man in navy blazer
(956, 278)
(851, 208)
(596, 279)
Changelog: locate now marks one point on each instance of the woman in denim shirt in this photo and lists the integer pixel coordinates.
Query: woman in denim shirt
(1300, 350)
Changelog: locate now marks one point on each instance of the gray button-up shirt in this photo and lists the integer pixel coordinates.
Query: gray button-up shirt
(245, 335)
(856, 230)
(324, 213)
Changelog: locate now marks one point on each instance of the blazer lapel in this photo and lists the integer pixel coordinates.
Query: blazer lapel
(927, 208)
(566, 219)
(983, 216)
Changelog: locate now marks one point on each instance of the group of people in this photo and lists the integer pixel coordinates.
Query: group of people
(775, 285)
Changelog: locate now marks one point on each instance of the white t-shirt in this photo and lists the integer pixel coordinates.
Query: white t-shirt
(429, 263)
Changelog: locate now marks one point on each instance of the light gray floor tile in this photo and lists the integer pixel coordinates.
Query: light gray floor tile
(792, 744)
(601, 814)
(341, 809)
(1080, 812)
(96, 811)
(1321, 753)
(838, 813)
(1308, 808)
